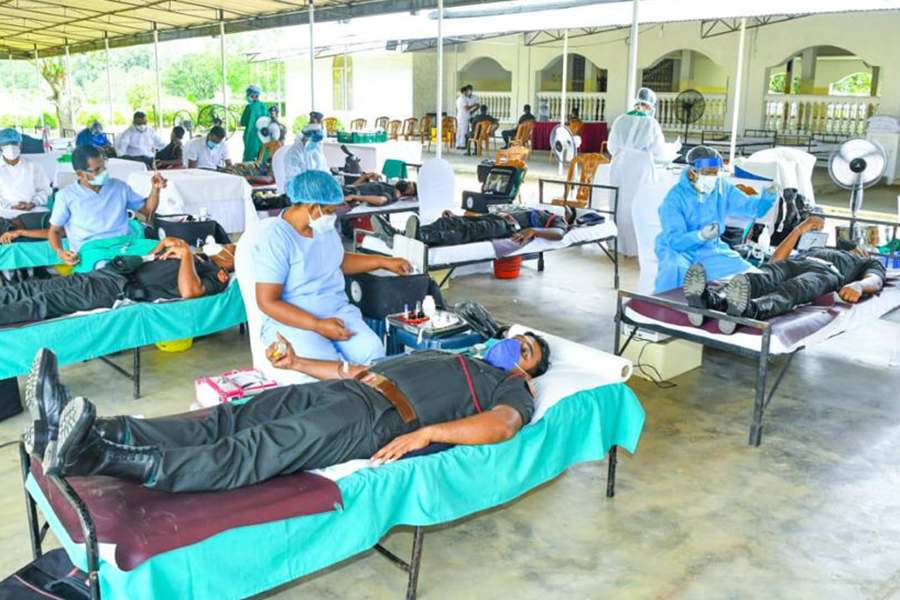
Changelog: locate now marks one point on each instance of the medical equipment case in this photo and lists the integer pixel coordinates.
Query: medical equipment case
(500, 186)
(51, 576)
(381, 293)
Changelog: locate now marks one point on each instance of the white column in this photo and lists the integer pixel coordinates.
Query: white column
(12, 84)
(159, 107)
(565, 84)
(737, 93)
(344, 92)
(112, 115)
(280, 86)
(631, 88)
(440, 77)
(224, 72)
(39, 77)
(69, 88)
(312, 56)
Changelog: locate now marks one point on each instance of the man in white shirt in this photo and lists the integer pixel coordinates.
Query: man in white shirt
(139, 142)
(24, 185)
(210, 152)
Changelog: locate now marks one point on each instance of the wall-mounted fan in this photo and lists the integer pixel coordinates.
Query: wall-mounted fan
(564, 144)
(857, 164)
(689, 107)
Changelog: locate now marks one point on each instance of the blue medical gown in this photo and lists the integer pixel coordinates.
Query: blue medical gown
(309, 269)
(682, 216)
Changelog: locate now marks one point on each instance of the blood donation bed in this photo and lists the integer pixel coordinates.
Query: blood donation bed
(136, 543)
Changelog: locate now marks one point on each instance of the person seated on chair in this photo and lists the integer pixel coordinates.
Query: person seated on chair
(173, 154)
(139, 142)
(787, 282)
(510, 134)
(481, 117)
(169, 272)
(369, 189)
(519, 225)
(31, 226)
(693, 216)
(300, 267)
(95, 206)
(94, 136)
(275, 114)
(381, 412)
(24, 185)
(208, 152)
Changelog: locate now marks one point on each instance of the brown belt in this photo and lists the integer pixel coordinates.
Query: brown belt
(389, 390)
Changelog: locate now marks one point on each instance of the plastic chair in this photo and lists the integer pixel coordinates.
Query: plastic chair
(410, 127)
(394, 169)
(425, 126)
(524, 134)
(584, 166)
(331, 124)
(358, 124)
(449, 129)
(393, 129)
(270, 147)
(437, 189)
(647, 227)
(382, 123)
(480, 137)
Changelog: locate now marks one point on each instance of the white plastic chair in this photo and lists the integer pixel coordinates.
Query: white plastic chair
(647, 227)
(437, 188)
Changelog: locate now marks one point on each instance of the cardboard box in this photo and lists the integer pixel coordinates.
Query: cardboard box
(670, 358)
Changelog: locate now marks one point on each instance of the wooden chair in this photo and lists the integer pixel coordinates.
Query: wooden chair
(425, 130)
(393, 129)
(481, 137)
(358, 124)
(584, 166)
(331, 125)
(604, 148)
(271, 148)
(449, 128)
(524, 134)
(382, 123)
(410, 127)
(516, 156)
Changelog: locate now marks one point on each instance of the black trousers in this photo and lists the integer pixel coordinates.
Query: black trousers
(39, 299)
(786, 284)
(281, 431)
(33, 220)
(509, 135)
(448, 231)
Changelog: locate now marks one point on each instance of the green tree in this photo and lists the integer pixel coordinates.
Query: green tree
(855, 84)
(53, 70)
(141, 95)
(196, 77)
(777, 81)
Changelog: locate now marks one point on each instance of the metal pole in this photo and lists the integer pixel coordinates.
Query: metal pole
(112, 114)
(312, 57)
(344, 93)
(159, 107)
(631, 89)
(565, 77)
(737, 94)
(13, 86)
(440, 78)
(40, 99)
(280, 84)
(224, 69)
(69, 89)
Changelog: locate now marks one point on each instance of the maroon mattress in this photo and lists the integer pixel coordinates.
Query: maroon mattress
(142, 522)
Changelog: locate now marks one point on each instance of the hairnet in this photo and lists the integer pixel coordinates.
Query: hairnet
(254, 89)
(646, 96)
(316, 115)
(703, 153)
(10, 136)
(314, 187)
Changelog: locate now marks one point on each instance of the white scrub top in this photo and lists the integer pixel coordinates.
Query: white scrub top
(132, 142)
(25, 181)
(197, 150)
(87, 215)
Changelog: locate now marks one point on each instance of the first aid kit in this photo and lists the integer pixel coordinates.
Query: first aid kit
(232, 386)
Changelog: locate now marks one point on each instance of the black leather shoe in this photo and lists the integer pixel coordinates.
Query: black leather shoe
(83, 452)
(75, 422)
(737, 297)
(112, 429)
(695, 291)
(45, 398)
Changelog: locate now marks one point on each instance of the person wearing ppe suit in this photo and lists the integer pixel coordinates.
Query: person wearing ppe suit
(635, 142)
(24, 185)
(139, 142)
(693, 216)
(254, 110)
(303, 155)
(94, 136)
(300, 267)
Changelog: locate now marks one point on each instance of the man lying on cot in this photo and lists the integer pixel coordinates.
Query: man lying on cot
(787, 282)
(693, 216)
(171, 271)
(382, 412)
(520, 225)
(32, 226)
(369, 189)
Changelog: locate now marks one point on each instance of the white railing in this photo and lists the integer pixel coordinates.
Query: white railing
(841, 115)
(713, 118)
(591, 105)
(499, 104)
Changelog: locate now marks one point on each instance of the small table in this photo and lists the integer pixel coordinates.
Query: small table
(190, 191)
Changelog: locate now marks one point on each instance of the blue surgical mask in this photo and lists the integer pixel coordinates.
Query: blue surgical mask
(99, 180)
(505, 354)
(211, 145)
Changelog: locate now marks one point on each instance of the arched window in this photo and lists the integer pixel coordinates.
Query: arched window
(342, 78)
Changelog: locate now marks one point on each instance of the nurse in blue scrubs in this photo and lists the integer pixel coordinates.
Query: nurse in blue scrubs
(300, 268)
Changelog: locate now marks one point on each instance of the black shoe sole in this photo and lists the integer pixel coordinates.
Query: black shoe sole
(412, 227)
(737, 295)
(694, 286)
(74, 424)
(40, 434)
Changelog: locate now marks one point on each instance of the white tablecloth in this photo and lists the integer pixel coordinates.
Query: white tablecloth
(191, 190)
(118, 169)
(372, 156)
(48, 161)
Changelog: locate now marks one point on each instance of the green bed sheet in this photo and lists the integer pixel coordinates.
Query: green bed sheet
(421, 491)
(24, 255)
(88, 336)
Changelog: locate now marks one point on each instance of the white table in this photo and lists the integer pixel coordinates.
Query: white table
(191, 191)
(117, 168)
(48, 161)
(372, 156)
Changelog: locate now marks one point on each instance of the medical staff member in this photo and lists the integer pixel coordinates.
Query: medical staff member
(93, 136)
(254, 110)
(209, 152)
(300, 267)
(466, 104)
(24, 185)
(693, 217)
(635, 142)
(140, 141)
(94, 207)
(303, 155)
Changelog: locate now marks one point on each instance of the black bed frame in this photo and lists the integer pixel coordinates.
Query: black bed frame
(763, 356)
(38, 531)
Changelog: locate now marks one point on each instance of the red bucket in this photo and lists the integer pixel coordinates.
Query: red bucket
(508, 268)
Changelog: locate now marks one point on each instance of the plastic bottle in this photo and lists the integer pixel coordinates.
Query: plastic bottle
(765, 240)
(428, 306)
